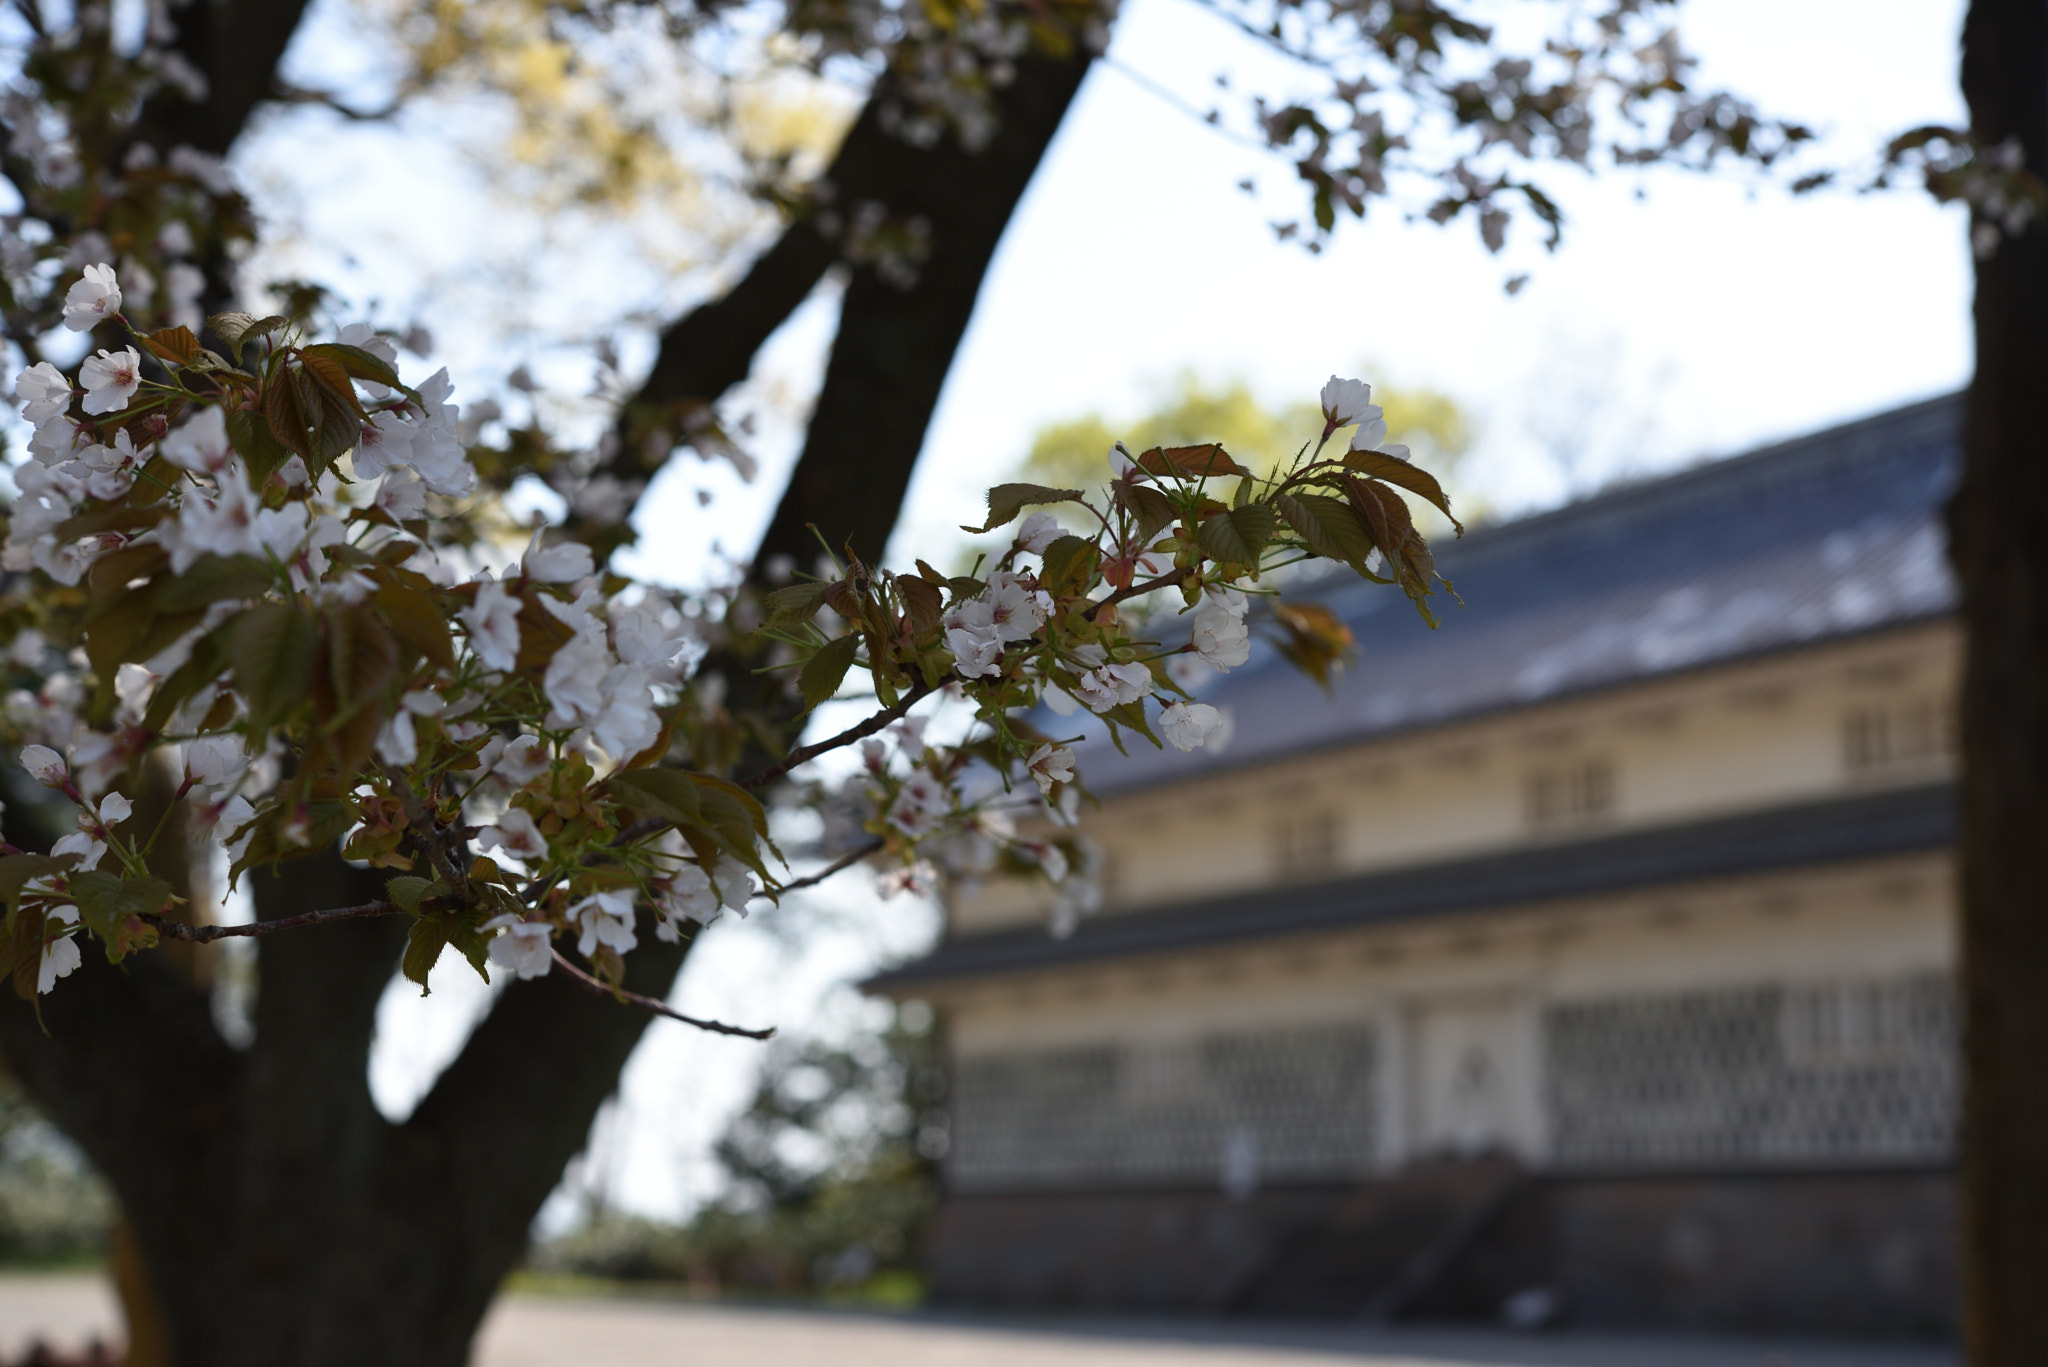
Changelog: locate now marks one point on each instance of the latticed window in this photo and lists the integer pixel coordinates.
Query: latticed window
(1897, 734)
(1571, 793)
(1861, 1071)
(1302, 1099)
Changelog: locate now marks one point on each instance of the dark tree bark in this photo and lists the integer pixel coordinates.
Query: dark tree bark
(1999, 533)
(894, 345)
(278, 1216)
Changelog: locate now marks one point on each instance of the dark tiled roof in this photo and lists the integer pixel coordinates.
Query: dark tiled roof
(1896, 822)
(1830, 535)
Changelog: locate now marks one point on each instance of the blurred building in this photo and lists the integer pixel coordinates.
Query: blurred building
(1587, 958)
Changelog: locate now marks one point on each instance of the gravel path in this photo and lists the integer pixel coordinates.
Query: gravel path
(528, 1331)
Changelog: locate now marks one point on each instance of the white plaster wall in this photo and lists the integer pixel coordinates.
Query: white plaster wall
(1738, 737)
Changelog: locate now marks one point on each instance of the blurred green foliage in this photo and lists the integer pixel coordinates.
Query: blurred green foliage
(1074, 454)
(54, 1208)
(832, 1170)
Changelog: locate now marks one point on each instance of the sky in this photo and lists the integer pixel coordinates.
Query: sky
(1683, 318)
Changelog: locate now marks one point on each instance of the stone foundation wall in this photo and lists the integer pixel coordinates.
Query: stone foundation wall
(1869, 1253)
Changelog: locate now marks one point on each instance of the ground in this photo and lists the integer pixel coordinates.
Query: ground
(548, 1331)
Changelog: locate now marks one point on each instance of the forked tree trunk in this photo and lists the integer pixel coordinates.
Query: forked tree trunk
(1999, 526)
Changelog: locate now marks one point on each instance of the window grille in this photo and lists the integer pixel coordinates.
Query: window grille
(1898, 734)
(1305, 845)
(1165, 1114)
(1840, 1072)
(1569, 794)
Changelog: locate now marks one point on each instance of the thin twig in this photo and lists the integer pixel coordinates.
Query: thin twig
(851, 857)
(1167, 580)
(655, 1004)
(805, 753)
(178, 930)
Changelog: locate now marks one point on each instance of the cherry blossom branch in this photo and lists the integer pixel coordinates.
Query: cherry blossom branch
(655, 1004)
(1164, 581)
(178, 930)
(805, 753)
(843, 862)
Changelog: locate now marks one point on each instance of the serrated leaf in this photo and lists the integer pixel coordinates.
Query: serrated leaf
(1396, 471)
(1190, 462)
(407, 891)
(358, 363)
(1150, 509)
(212, 579)
(1005, 501)
(1223, 540)
(923, 603)
(1255, 523)
(175, 345)
(795, 604)
(423, 946)
(273, 645)
(418, 621)
(332, 378)
(1061, 559)
(825, 671)
(1327, 526)
(249, 433)
(667, 794)
(201, 667)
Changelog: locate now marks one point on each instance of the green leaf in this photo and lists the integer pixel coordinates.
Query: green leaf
(825, 671)
(212, 578)
(664, 793)
(1255, 523)
(1005, 501)
(1396, 471)
(249, 433)
(1150, 509)
(237, 328)
(360, 364)
(796, 604)
(922, 602)
(418, 621)
(1223, 541)
(1061, 559)
(407, 891)
(423, 948)
(205, 664)
(1327, 526)
(273, 646)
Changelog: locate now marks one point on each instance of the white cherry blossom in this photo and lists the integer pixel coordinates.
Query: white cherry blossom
(493, 623)
(1370, 434)
(1346, 402)
(92, 299)
(565, 562)
(44, 393)
(516, 836)
(972, 636)
(1189, 725)
(1114, 684)
(526, 947)
(1220, 636)
(200, 444)
(215, 759)
(110, 379)
(88, 850)
(60, 956)
(1050, 765)
(225, 524)
(625, 724)
(646, 633)
(1037, 532)
(1017, 610)
(736, 885)
(687, 895)
(524, 760)
(607, 919)
(919, 805)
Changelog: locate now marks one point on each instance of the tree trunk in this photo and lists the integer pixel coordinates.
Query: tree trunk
(1999, 534)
